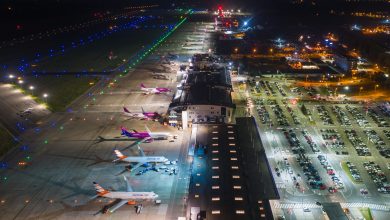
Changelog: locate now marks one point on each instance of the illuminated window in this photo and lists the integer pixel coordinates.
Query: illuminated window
(196, 196)
(215, 138)
(215, 212)
(215, 151)
(233, 158)
(236, 187)
(197, 184)
(234, 167)
(215, 177)
(214, 144)
(198, 174)
(230, 126)
(233, 151)
(215, 199)
(230, 132)
(238, 198)
(232, 144)
(216, 158)
(215, 167)
(231, 138)
(215, 187)
(240, 212)
(215, 132)
(236, 177)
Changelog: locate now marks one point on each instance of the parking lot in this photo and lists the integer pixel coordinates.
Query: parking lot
(320, 147)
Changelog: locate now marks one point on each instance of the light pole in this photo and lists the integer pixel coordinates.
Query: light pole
(360, 90)
(31, 88)
(45, 95)
(376, 86)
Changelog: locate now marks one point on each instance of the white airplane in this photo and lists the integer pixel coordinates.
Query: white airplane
(140, 160)
(154, 90)
(128, 196)
(141, 115)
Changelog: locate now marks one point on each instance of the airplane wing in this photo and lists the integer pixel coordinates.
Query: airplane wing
(147, 129)
(136, 143)
(128, 187)
(136, 166)
(141, 151)
(117, 206)
(130, 170)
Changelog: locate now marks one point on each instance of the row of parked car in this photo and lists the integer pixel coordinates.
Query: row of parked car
(378, 176)
(378, 142)
(379, 120)
(280, 89)
(354, 172)
(358, 116)
(324, 115)
(310, 142)
(293, 141)
(341, 115)
(313, 177)
(357, 142)
(263, 114)
(332, 138)
(281, 118)
(338, 184)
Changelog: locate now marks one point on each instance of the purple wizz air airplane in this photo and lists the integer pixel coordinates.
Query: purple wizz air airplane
(142, 115)
(155, 90)
(145, 135)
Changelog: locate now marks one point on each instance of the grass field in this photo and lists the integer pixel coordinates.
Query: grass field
(64, 87)
(61, 90)
(366, 212)
(6, 141)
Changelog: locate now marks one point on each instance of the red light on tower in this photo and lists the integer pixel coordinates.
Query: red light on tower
(220, 11)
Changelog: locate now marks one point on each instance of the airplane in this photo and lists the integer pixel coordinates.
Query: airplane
(128, 196)
(155, 90)
(145, 135)
(142, 115)
(140, 160)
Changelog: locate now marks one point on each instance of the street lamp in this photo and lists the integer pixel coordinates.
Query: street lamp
(360, 90)
(45, 95)
(32, 89)
(11, 76)
(376, 86)
(20, 81)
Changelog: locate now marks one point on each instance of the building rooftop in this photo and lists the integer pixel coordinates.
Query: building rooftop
(202, 94)
(222, 185)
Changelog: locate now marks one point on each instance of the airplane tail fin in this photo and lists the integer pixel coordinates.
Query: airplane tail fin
(126, 110)
(100, 190)
(124, 131)
(142, 85)
(119, 155)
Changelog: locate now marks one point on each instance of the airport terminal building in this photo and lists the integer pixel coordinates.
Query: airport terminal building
(203, 95)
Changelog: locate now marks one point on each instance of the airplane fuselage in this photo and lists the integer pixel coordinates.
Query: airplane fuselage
(147, 159)
(131, 195)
